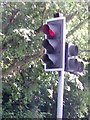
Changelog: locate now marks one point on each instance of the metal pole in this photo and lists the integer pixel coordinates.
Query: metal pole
(61, 77)
(60, 95)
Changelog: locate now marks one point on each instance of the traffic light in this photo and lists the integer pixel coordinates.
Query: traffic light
(71, 63)
(54, 44)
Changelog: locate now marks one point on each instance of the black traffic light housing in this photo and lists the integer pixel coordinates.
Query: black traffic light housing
(71, 63)
(54, 44)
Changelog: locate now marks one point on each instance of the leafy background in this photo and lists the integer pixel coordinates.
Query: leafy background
(27, 90)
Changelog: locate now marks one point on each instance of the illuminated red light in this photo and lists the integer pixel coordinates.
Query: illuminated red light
(45, 28)
(51, 33)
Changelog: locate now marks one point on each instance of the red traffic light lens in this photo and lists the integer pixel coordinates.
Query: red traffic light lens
(46, 29)
(51, 33)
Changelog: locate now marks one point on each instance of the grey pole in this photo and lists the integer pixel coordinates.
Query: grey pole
(60, 95)
(61, 79)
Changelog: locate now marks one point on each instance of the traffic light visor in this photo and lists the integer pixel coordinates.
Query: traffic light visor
(73, 50)
(48, 46)
(72, 64)
(80, 66)
(47, 30)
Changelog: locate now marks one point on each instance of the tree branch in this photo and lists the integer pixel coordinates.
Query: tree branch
(11, 20)
(69, 17)
(15, 67)
(76, 28)
(85, 51)
(38, 30)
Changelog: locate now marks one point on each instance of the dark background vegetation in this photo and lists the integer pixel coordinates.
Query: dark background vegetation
(27, 90)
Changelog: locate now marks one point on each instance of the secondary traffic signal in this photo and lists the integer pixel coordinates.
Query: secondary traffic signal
(54, 44)
(71, 63)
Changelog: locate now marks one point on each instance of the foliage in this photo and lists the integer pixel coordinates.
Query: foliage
(28, 91)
